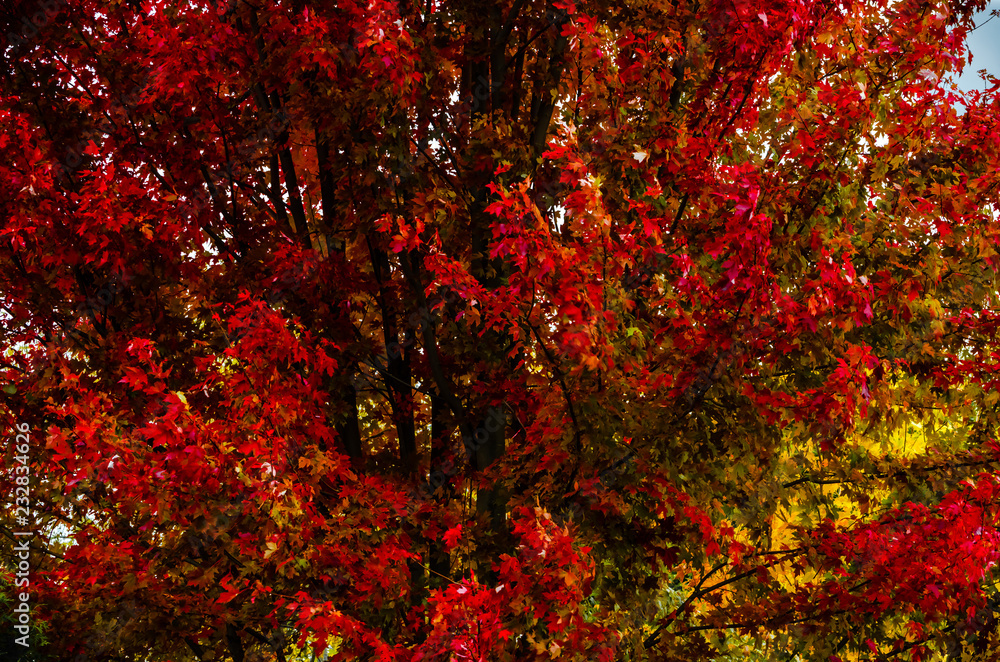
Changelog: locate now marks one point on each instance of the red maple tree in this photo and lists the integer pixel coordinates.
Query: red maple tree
(500, 331)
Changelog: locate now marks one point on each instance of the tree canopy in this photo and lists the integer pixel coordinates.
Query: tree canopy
(513, 330)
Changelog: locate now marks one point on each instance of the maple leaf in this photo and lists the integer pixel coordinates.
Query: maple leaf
(452, 536)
